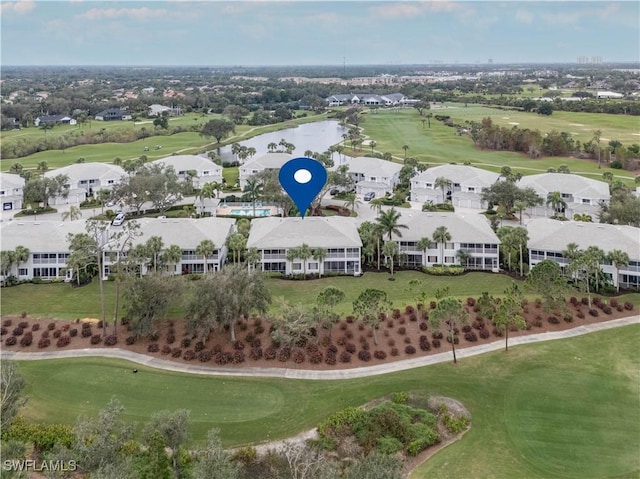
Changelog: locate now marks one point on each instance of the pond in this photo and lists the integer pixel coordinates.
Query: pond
(317, 136)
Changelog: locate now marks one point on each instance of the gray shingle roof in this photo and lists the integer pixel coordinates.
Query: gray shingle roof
(464, 228)
(372, 166)
(463, 174)
(552, 235)
(189, 162)
(83, 171)
(325, 232)
(39, 236)
(186, 232)
(9, 181)
(267, 161)
(575, 185)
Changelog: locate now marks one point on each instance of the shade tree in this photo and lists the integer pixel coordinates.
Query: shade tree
(369, 306)
(449, 311)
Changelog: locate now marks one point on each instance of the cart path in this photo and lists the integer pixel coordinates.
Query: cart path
(286, 373)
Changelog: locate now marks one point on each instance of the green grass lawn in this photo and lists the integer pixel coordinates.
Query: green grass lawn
(562, 409)
(60, 300)
(440, 144)
(182, 143)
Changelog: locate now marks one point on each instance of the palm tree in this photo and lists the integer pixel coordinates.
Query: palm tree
(320, 254)
(352, 202)
(405, 148)
(388, 220)
(272, 147)
(16, 168)
(235, 149)
(556, 201)
(463, 258)
(520, 237)
(190, 210)
(519, 206)
(441, 235)
(596, 138)
(423, 245)
(254, 190)
(206, 248)
(304, 253)
(42, 167)
(252, 257)
(171, 256)
(154, 246)
(292, 255)
(376, 204)
(236, 243)
(428, 116)
(619, 259)
(73, 214)
(372, 144)
(442, 183)
(22, 254)
(390, 249)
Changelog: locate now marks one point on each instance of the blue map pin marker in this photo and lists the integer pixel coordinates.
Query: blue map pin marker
(302, 179)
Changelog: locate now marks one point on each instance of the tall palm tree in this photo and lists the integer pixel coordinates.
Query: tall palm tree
(519, 206)
(73, 214)
(463, 258)
(443, 183)
(429, 116)
(376, 204)
(16, 168)
(390, 249)
(372, 144)
(320, 254)
(236, 243)
(154, 246)
(292, 255)
(423, 245)
(22, 254)
(556, 201)
(171, 257)
(42, 167)
(405, 148)
(254, 190)
(206, 248)
(304, 253)
(520, 238)
(619, 259)
(252, 257)
(272, 147)
(389, 221)
(441, 235)
(235, 149)
(352, 202)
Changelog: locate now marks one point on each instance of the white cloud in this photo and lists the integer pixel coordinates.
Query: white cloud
(524, 16)
(412, 9)
(143, 13)
(20, 7)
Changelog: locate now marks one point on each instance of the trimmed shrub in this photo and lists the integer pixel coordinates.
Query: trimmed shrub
(63, 341)
(423, 326)
(153, 347)
(553, 320)
(51, 326)
(189, 355)
(298, 356)
(607, 309)
(471, 336)
(270, 353)
(350, 348)
(437, 335)
(57, 333)
(255, 354)
(471, 302)
(585, 301)
(35, 326)
(436, 343)
(238, 357)
(3, 331)
(568, 318)
(11, 341)
(86, 332)
(171, 339)
(17, 331)
(628, 305)
(73, 332)
(594, 313)
(407, 340)
(498, 332)
(205, 356)
(614, 303)
(166, 349)
(44, 343)
(484, 333)
(110, 340)
(176, 352)
(25, 324)
(96, 339)
(45, 334)
(410, 350)
(350, 319)
(284, 354)
(620, 308)
(380, 355)
(186, 342)
(394, 352)
(364, 355)
(7, 322)
(425, 345)
(26, 340)
(332, 349)
(345, 357)
(402, 331)
(238, 345)
(315, 357)
(580, 314)
(129, 340)
(330, 359)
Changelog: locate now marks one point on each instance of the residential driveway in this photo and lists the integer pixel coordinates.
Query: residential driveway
(362, 372)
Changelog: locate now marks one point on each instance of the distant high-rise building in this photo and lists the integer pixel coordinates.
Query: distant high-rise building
(595, 60)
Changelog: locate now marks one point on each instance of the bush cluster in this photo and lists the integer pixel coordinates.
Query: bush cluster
(11, 341)
(44, 343)
(63, 341)
(471, 336)
(189, 355)
(345, 357)
(484, 333)
(96, 339)
(176, 352)
(153, 347)
(166, 349)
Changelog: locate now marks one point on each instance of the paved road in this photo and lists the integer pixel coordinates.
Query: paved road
(320, 375)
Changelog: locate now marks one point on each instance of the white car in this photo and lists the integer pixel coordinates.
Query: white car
(118, 220)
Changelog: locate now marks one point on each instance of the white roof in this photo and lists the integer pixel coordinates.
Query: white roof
(189, 162)
(575, 185)
(267, 161)
(464, 228)
(553, 235)
(372, 166)
(315, 231)
(463, 174)
(88, 171)
(39, 236)
(9, 181)
(187, 233)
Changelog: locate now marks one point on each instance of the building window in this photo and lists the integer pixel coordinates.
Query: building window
(586, 201)
(448, 246)
(313, 266)
(432, 259)
(297, 266)
(23, 272)
(449, 259)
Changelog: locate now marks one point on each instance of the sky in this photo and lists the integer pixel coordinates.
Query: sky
(248, 33)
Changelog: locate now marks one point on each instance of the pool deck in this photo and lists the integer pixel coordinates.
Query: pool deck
(226, 210)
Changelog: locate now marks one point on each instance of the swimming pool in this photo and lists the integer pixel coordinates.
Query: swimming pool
(249, 211)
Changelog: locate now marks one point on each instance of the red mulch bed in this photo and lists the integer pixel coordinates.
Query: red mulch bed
(403, 335)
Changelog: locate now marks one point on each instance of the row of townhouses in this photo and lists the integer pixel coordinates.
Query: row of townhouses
(109, 114)
(86, 179)
(274, 237)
